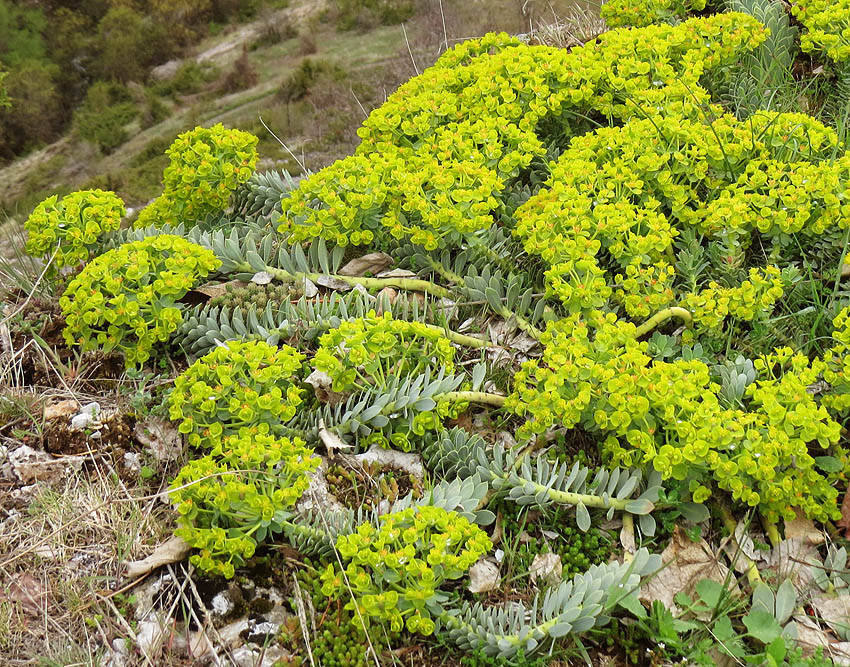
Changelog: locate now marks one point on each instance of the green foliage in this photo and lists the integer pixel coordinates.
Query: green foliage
(309, 75)
(36, 107)
(395, 571)
(668, 414)
(365, 14)
(21, 29)
(548, 532)
(127, 298)
(826, 28)
(763, 79)
(238, 495)
(206, 166)
(245, 388)
(640, 13)
(102, 117)
(576, 605)
(73, 225)
(128, 44)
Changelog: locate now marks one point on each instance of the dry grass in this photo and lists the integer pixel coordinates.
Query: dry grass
(61, 559)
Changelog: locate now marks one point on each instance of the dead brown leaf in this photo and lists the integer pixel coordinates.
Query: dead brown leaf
(62, 409)
(373, 263)
(27, 591)
(810, 637)
(172, 551)
(685, 563)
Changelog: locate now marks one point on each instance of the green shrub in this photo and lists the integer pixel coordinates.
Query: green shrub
(74, 223)
(102, 117)
(127, 298)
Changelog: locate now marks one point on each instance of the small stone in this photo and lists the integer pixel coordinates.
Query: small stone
(82, 421)
(132, 462)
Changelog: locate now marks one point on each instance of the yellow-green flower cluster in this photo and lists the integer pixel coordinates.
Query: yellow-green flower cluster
(784, 197)
(230, 500)
(395, 570)
(668, 415)
(73, 225)
(207, 165)
(827, 27)
(127, 298)
(837, 372)
(640, 13)
(371, 350)
(711, 306)
(628, 190)
(246, 388)
(437, 156)
(446, 185)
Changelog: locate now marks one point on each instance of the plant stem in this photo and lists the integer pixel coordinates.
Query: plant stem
(662, 316)
(474, 397)
(522, 323)
(461, 339)
(567, 498)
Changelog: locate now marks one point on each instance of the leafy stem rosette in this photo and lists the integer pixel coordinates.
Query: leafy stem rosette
(248, 387)
(238, 495)
(370, 350)
(395, 571)
(127, 298)
(75, 223)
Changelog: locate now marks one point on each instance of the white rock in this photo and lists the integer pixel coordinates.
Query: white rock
(151, 634)
(132, 462)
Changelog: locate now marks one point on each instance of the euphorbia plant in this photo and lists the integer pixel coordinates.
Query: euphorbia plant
(207, 165)
(128, 297)
(245, 388)
(238, 495)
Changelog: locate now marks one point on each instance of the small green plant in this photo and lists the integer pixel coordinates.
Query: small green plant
(72, 225)
(127, 298)
(246, 388)
(238, 495)
(206, 166)
(395, 570)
